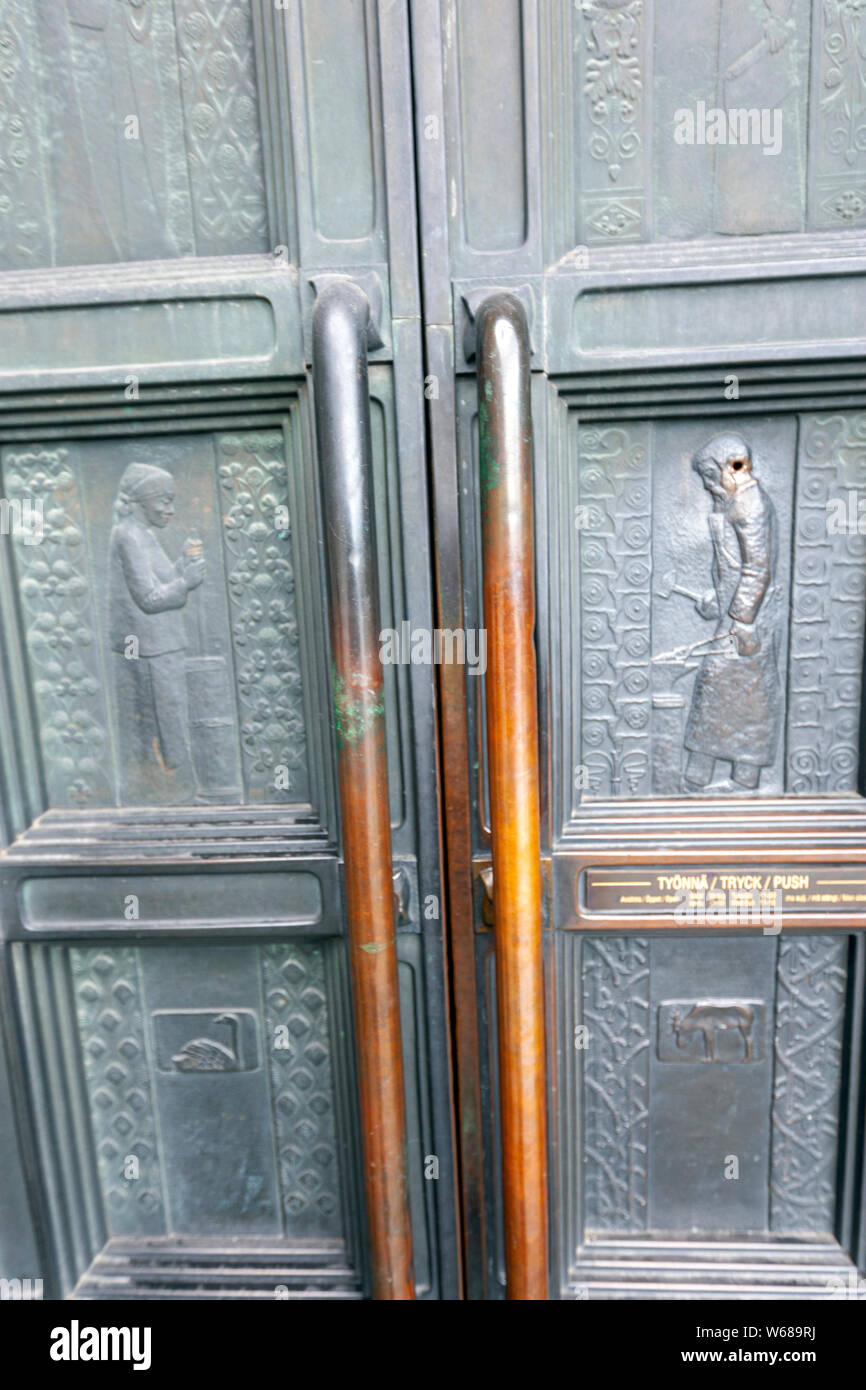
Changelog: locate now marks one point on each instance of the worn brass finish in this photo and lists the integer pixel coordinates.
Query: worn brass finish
(512, 741)
(340, 325)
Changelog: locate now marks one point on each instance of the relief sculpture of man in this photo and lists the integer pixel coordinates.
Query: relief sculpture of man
(147, 595)
(736, 700)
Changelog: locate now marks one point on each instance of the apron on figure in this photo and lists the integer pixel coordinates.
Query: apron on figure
(734, 713)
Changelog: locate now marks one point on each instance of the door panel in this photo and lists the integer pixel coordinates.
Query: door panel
(183, 1068)
(672, 197)
(168, 162)
(734, 1128)
(686, 297)
(184, 1126)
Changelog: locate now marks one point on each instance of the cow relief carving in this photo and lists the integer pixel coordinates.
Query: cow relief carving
(711, 1031)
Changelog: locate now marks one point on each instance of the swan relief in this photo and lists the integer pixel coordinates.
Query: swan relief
(207, 1054)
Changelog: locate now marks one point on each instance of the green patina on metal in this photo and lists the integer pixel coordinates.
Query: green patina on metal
(488, 464)
(354, 716)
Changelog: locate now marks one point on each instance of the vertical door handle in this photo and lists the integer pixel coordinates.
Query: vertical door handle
(505, 428)
(341, 325)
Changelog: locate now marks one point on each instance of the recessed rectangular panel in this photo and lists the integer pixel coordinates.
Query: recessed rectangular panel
(709, 1125)
(174, 900)
(340, 129)
(490, 62)
(212, 1089)
(214, 1113)
(720, 582)
(718, 713)
(161, 619)
(711, 1084)
(170, 333)
(720, 314)
(730, 100)
(161, 153)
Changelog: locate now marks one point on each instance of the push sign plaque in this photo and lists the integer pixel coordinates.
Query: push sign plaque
(822, 889)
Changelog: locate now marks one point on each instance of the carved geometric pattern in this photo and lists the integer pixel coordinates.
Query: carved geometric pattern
(810, 1013)
(844, 205)
(252, 473)
(829, 591)
(616, 219)
(616, 1082)
(108, 1004)
(224, 146)
(615, 567)
(613, 41)
(298, 1047)
(58, 607)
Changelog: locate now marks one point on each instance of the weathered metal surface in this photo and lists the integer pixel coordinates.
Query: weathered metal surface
(153, 166)
(706, 1111)
(174, 821)
(157, 682)
(667, 194)
(676, 194)
(505, 427)
(341, 321)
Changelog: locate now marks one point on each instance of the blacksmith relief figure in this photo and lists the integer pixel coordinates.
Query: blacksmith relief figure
(147, 595)
(736, 699)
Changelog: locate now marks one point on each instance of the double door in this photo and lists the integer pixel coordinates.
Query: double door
(432, 607)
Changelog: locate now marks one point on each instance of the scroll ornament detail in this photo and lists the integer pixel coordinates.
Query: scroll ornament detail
(843, 103)
(613, 83)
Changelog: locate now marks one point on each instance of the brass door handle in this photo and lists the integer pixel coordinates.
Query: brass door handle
(505, 428)
(341, 325)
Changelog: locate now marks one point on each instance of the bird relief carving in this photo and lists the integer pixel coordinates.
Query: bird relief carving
(206, 1040)
(210, 1054)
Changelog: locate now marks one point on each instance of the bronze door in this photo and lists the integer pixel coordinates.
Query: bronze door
(182, 1094)
(432, 592)
(665, 202)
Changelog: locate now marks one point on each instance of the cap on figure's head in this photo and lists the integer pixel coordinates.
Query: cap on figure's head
(140, 482)
(144, 480)
(728, 457)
